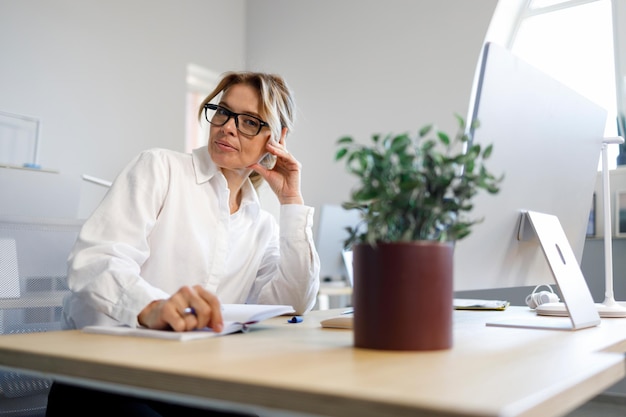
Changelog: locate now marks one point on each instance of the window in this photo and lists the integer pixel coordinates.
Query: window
(571, 40)
(200, 82)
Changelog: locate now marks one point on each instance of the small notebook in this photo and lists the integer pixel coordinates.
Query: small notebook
(477, 304)
(237, 318)
(344, 321)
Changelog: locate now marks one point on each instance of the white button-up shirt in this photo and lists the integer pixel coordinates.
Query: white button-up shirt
(166, 223)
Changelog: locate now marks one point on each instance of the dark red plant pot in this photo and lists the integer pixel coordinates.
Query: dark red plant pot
(403, 296)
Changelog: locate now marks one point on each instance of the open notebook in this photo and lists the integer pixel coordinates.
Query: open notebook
(237, 318)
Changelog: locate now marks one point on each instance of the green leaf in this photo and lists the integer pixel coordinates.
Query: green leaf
(425, 130)
(341, 153)
(345, 139)
(444, 138)
(399, 143)
(460, 120)
(487, 152)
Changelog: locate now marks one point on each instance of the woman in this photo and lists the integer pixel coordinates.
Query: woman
(179, 231)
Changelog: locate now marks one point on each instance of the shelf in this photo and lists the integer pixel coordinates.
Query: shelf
(45, 299)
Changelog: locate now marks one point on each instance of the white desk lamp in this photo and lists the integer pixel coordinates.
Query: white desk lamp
(610, 307)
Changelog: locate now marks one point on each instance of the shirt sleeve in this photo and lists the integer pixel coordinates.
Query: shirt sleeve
(289, 272)
(104, 265)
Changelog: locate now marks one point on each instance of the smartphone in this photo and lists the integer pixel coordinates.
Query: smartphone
(268, 160)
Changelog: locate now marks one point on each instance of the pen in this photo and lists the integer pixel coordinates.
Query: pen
(191, 310)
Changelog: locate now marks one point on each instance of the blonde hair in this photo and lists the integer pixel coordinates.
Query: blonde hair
(277, 102)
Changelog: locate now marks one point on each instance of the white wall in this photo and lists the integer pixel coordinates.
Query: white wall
(363, 66)
(107, 78)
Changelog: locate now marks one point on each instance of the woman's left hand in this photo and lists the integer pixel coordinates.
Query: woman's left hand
(284, 178)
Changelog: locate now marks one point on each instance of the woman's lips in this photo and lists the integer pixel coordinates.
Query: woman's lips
(225, 146)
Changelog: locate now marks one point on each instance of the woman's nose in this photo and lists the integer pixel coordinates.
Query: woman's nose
(230, 125)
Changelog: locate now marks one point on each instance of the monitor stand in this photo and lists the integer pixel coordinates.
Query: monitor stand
(578, 301)
(610, 307)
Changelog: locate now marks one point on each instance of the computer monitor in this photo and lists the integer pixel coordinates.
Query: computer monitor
(547, 142)
(330, 236)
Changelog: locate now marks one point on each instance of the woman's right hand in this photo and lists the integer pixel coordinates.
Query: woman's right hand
(174, 314)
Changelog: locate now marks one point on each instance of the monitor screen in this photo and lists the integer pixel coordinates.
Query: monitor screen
(547, 142)
(330, 236)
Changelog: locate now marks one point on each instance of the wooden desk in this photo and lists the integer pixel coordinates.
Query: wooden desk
(491, 371)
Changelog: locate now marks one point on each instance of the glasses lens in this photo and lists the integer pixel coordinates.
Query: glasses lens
(249, 125)
(216, 115)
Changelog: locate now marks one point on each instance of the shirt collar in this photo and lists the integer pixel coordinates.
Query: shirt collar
(203, 165)
(205, 170)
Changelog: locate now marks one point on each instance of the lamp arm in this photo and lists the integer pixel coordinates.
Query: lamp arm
(608, 239)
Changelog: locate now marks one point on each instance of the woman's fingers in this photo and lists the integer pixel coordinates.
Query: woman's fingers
(188, 309)
(208, 309)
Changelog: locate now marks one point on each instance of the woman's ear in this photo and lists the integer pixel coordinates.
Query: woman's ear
(283, 135)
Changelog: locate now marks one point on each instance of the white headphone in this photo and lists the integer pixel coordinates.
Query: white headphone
(537, 298)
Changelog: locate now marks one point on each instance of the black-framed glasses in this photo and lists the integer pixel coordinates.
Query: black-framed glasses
(245, 123)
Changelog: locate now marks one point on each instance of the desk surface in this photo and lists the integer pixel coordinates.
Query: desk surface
(490, 371)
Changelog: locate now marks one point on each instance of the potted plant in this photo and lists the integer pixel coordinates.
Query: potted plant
(414, 196)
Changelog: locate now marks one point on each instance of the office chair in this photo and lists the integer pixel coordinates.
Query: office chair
(33, 269)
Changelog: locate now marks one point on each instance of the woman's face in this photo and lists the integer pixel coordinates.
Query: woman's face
(229, 148)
